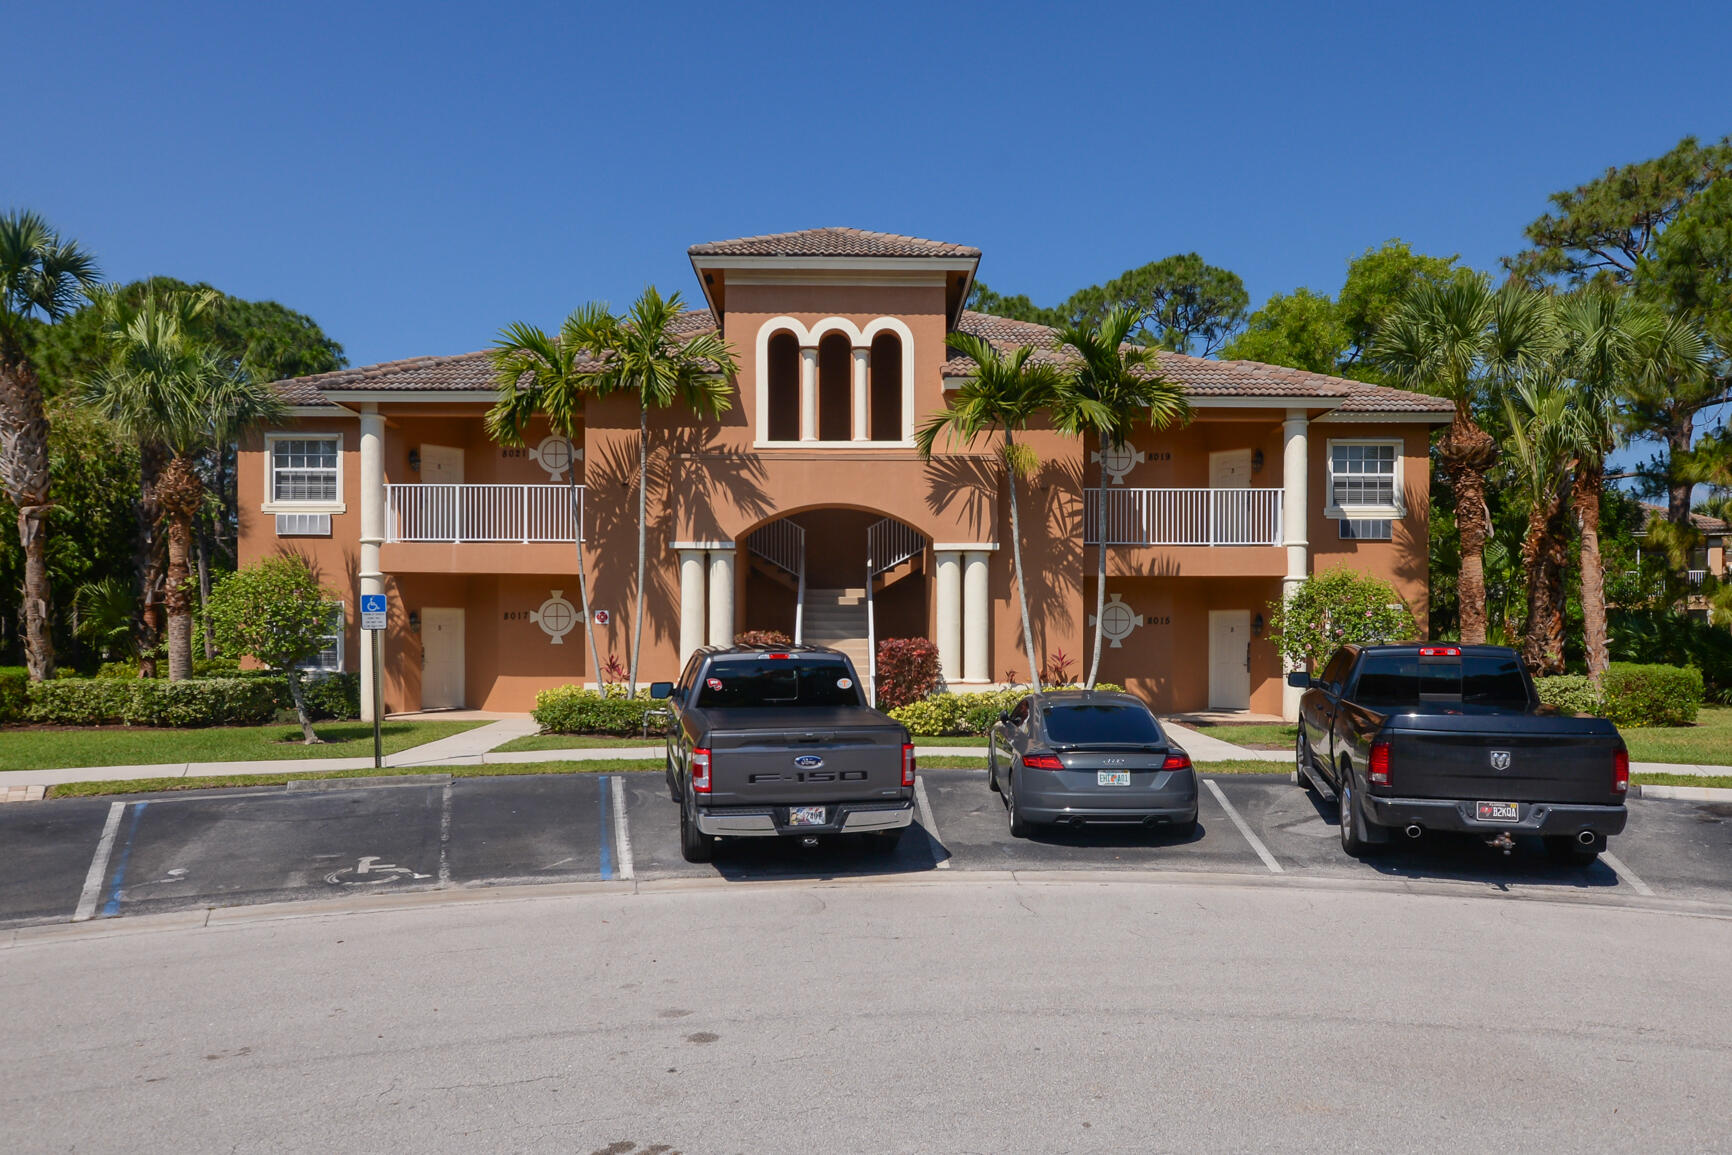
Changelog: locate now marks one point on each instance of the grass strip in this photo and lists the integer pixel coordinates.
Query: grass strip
(1716, 781)
(46, 748)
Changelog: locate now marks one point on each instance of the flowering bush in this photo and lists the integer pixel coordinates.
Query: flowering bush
(1336, 608)
(963, 715)
(763, 638)
(907, 671)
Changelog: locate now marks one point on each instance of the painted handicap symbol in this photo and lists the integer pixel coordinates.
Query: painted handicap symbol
(369, 871)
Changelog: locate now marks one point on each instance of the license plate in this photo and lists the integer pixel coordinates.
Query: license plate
(1500, 812)
(1112, 778)
(806, 815)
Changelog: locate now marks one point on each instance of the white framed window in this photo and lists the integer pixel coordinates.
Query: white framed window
(1364, 482)
(329, 659)
(304, 472)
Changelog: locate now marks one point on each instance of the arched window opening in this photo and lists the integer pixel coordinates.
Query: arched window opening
(835, 390)
(783, 386)
(886, 387)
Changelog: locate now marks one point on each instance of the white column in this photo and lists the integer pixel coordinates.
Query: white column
(808, 394)
(862, 371)
(976, 617)
(1295, 499)
(722, 597)
(372, 532)
(949, 614)
(691, 602)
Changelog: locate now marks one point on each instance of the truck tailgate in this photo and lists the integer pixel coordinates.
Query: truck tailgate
(818, 760)
(1502, 759)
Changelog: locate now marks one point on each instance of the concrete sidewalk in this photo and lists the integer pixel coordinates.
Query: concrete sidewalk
(1203, 748)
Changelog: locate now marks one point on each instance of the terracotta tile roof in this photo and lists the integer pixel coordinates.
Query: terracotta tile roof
(458, 373)
(1701, 521)
(1200, 376)
(832, 242)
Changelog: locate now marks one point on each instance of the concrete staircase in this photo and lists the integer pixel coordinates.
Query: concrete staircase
(837, 618)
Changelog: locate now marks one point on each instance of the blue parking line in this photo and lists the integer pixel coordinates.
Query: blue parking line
(606, 829)
(112, 906)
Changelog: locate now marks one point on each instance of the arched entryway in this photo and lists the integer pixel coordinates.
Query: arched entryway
(837, 577)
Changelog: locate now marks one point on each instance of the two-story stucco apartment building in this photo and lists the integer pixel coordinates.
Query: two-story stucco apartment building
(806, 507)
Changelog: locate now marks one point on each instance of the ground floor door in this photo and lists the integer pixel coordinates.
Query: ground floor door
(441, 659)
(1229, 659)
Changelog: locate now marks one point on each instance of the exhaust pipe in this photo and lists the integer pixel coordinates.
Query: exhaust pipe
(1414, 830)
(1587, 838)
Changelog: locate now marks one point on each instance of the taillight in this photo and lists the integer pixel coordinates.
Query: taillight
(1177, 762)
(1378, 770)
(1440, 651)
(1621, 772)
(700, 771)
(907, 763)
(1042, 762)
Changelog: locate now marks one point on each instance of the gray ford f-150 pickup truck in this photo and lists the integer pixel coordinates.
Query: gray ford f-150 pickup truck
(1418, 737)
(766, 742)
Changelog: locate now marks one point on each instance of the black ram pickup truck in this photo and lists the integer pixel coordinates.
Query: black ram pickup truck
(1413, 738)
(766, 742)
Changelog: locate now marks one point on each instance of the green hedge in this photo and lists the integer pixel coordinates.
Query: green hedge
(14, 695)
(150, 702)
(962, 715)
(575, 710)
(1630, 695)
(328, 696)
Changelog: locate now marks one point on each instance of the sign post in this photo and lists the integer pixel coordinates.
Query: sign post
(373, 614)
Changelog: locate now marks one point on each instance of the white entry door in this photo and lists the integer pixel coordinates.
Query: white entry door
(441, 659)
(1229, 659)
(1229, 512)
(443, 465)
(1230, 469)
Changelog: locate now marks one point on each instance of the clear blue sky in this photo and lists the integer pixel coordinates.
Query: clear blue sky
(416, 176)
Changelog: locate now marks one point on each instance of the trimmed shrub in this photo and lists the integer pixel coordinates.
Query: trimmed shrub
(1675, 639)
(1574, 693)
(1652, 695)
(576, 710)
(14, 695)
(1334, 608)
(150, 702)
(963, 715)
(328, 696)
(907, 671)
(763, 638)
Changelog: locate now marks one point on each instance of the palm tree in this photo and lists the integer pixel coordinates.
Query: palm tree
(1108, 388)
(163, 386)
(41, 277)
(641, 353)
(549, 376)
(1543, 443)
(1454, 339)
(1005, 394)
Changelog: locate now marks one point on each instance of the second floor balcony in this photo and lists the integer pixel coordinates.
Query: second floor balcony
(1163, 517)
(483, 513)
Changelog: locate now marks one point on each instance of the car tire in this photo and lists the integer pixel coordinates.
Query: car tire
(1018, 826)
(1348, 811)
(1565, 849)
(1302, 763)
(695, 845)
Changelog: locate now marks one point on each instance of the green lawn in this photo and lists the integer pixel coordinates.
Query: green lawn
(1257, 735)
(1707, 743)
(47, 749)
(603, 741)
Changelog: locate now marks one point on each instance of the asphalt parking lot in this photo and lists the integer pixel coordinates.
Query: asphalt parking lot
(90, 859)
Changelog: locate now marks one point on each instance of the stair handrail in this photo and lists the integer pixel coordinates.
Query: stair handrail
(782, 543)
(889, 543)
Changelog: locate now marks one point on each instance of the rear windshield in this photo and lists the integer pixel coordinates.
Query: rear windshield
(778, 682)
(1401, 681)
(1108, 723)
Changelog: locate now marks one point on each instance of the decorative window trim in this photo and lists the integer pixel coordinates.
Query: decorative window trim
(1394, 511)
(271, 505)
(809, 338)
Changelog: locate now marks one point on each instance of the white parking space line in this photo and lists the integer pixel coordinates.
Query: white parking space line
(926, 818)
(99, 865)
(1244, 828)
(445, 837)
(621, 830)
(1625, 873)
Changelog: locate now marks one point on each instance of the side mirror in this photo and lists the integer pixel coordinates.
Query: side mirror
(1298, 679)
(661, 690)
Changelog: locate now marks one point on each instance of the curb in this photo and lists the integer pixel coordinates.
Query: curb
(1684, 793)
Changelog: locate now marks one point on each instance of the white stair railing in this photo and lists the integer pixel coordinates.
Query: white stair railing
(889, 543)
(433, 511)
(783, 544)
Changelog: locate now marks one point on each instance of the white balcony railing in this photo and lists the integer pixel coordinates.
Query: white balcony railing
(1185, 516)
(1696, 577)
(482, 513)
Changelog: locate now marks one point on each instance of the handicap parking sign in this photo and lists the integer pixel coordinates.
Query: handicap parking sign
(372, 611)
